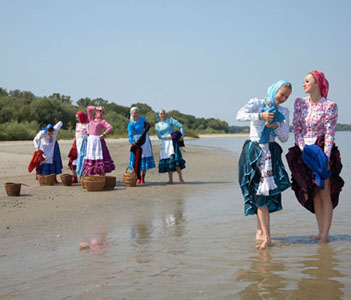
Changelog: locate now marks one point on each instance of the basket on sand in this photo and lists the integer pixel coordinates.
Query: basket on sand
(66, 179)
(94, 182)
(82, 181)
(110, 182)
(129, 178)
(46, 179)
(13, 189)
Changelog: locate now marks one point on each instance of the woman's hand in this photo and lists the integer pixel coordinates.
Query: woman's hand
(267, 116)
(269, 125)
(170, 137)
(102, 136)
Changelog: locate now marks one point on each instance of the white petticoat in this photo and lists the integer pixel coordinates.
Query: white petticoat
(267, 180)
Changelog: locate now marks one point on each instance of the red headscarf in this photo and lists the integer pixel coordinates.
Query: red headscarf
(322, 82)
(82, 117)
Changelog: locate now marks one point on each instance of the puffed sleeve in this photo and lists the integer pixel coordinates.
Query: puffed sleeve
(90, 112)
(283, 129)
(108, 127)
(179, 125)
(330, 121)
(249, 112)
(37, 139)
(298, 126)
(130, 132)
(58, 126)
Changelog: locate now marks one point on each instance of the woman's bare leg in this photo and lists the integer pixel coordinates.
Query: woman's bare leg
(170, 178)
(263, 216)
(317, 203)
(179, 171)
(327, 211)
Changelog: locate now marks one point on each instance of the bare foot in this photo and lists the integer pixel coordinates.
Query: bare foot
(264, 245)
(259, 237)
(323, 239)
(316, 237)
(181, 181)
(169, 182)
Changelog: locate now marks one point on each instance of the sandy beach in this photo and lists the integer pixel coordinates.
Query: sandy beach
(162, 241)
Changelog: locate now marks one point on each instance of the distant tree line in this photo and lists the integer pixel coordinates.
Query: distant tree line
(22, 114)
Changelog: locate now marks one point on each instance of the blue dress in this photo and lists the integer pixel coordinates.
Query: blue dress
(135, 129)
(170, 155)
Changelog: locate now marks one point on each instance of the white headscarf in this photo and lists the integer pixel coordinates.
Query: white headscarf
(131, 110)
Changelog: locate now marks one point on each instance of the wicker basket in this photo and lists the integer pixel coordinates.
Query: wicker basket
(13, 189)
(47, 179)
(129, 178)
(82, 181)
(110, 182)
(94, 182)
(66, 179)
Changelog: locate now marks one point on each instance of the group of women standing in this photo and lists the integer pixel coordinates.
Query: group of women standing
(314, 161)
(89, 154)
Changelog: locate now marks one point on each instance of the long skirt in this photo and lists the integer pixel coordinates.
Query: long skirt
(252, 177)
(97, 158)
(147, 157)
(55, 167)
(72, 155)
(175, 160)
(302, 184)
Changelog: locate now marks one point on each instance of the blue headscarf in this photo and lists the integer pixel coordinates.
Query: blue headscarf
(47, 127)
(278, 116)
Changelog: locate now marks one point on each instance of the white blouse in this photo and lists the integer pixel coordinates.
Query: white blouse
(46, 143)
(250, 113)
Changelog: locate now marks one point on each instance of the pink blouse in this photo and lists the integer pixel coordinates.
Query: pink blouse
(312, 120)
(95, 125)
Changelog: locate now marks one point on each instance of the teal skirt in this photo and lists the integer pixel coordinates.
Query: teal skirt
(250, 176)
(174, 161)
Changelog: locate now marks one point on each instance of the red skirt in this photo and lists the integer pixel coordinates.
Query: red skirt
(301, 176)
(72, 155)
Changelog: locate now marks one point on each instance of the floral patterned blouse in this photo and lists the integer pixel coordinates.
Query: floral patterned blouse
(312, 120)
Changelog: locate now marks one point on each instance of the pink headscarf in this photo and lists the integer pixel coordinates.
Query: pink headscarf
(322, 82)
(82, 117)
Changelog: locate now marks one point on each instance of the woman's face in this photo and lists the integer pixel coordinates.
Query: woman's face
(162, 115)
(77, 118)
(135, 114)
(99, 112)
(310, 84)
(282, 95)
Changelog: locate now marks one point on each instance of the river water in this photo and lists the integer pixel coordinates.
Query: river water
(196, 247)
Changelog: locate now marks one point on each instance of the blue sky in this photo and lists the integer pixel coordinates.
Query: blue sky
(205, 58)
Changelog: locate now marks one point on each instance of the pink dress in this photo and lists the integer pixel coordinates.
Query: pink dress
(314, 123)
(97, 158)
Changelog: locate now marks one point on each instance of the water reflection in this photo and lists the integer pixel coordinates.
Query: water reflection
(263, 277)
(320, 280)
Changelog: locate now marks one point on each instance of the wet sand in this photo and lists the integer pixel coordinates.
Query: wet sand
(160, 241)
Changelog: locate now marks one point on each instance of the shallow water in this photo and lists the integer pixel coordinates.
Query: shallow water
(199, 246)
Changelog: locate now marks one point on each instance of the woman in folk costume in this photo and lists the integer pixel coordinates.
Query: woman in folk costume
(171, 159)
(136, 128)
(315, 161)
(76, 151)
(97, 158)
(46, 141)
(262, 176)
